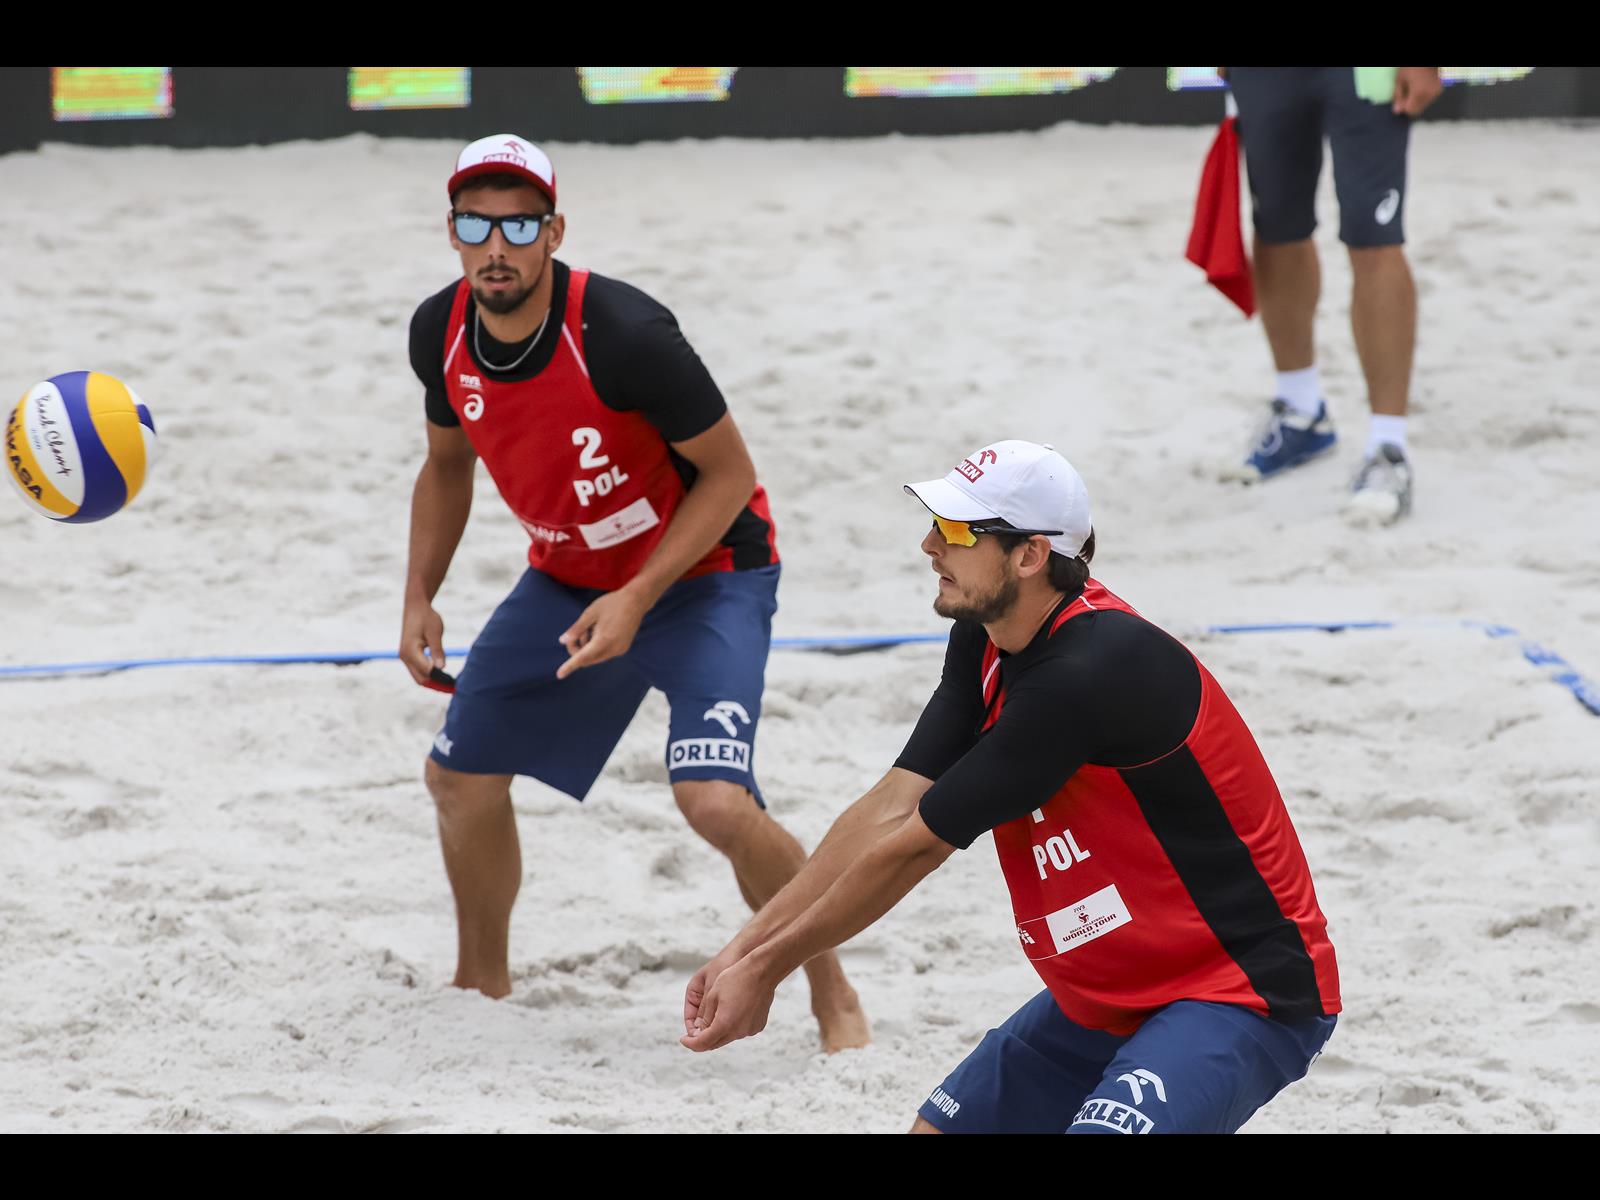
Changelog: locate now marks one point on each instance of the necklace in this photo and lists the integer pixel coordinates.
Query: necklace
(477, 346)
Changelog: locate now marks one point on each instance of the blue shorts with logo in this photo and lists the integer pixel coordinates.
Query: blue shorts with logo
(704, 644)
(1194, 1067)
(1284, 115)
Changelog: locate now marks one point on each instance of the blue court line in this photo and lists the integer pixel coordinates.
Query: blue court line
(1556, 668)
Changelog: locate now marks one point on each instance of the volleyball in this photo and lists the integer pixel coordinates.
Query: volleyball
(78, 446)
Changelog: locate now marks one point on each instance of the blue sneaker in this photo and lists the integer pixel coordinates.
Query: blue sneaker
(1287, 439)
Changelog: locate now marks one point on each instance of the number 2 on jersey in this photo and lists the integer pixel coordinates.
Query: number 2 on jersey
(602, 484)
(589, 438)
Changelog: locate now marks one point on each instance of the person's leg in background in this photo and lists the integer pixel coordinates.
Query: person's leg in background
(1280, 125)
(1369, 143)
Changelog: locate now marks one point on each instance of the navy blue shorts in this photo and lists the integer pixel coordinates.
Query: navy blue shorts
(1284, 114)
(704, 644)
(1194, 1067)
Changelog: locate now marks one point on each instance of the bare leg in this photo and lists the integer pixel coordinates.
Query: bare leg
(1288, 281)
(921, 1126)
(483, 859)
(765, 857)
(1383, 317)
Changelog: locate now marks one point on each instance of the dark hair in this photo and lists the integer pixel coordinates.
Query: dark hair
(1066, 574)
(496, 183)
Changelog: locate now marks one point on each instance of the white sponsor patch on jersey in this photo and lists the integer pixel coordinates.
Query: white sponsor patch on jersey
(1092, 917)
(621, 525)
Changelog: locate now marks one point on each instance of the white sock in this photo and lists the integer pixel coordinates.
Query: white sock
(1390, 430)
(1301, 389)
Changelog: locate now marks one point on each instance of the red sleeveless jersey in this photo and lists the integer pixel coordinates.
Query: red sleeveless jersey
(595, 488)
(1179, 879)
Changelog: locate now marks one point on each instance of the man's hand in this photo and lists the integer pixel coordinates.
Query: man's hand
(604, 630)
(695, 994)
(421, 640)
(1415, 88)
(734, 1006)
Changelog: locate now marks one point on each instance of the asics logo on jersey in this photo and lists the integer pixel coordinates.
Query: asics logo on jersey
(723, 712)
(471, 381)
(1135, 1080)
(473, 408)
(1388, 206)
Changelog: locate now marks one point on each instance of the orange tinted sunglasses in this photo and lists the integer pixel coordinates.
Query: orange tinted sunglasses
(965, 533)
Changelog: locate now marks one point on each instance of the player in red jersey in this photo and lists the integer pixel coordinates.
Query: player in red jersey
(1156, 881)
(652, 558)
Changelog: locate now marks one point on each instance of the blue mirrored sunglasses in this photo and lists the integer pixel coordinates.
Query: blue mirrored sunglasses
(520, 229)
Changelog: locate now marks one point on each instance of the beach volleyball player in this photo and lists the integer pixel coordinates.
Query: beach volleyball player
(1157, 884)
(652, 558)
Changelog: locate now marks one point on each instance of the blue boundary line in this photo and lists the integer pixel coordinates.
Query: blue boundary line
(1555, 667)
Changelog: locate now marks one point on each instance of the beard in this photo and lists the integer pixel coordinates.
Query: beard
(982, 608)
(502, 303)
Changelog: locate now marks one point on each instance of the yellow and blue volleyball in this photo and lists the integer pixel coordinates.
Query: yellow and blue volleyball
(78, 446)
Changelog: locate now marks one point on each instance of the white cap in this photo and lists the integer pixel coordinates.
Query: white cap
(505, 154)
(1025, 484)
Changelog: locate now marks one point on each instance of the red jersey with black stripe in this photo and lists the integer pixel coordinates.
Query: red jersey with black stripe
(1136, 883)
(595, 487)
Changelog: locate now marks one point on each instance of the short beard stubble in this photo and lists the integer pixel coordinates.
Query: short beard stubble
(507, 302)
(983, 609)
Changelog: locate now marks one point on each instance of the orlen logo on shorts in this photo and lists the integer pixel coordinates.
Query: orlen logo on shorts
(708, 752)
(1112, 1115)
(974, 470)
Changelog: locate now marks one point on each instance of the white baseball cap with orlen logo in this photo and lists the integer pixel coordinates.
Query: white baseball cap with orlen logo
(1025, 484)
(505, 154)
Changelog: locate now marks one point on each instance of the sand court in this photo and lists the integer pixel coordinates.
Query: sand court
(221, 896)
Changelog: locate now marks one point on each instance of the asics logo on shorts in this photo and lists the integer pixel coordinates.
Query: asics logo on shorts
(1387, 207)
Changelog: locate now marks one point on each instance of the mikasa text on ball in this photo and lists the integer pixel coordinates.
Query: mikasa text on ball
(78, 446)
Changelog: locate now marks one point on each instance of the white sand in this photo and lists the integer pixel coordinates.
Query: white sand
(221, 899)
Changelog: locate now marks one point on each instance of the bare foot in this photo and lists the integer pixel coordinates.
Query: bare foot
(494, 987)
(844, 1026)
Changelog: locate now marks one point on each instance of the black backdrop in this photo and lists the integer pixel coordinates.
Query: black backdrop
(231, 106)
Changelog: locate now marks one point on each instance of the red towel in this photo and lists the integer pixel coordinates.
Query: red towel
(1216, 243)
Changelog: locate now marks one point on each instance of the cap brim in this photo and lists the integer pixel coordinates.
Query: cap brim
(461, 178)
(944, 499)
